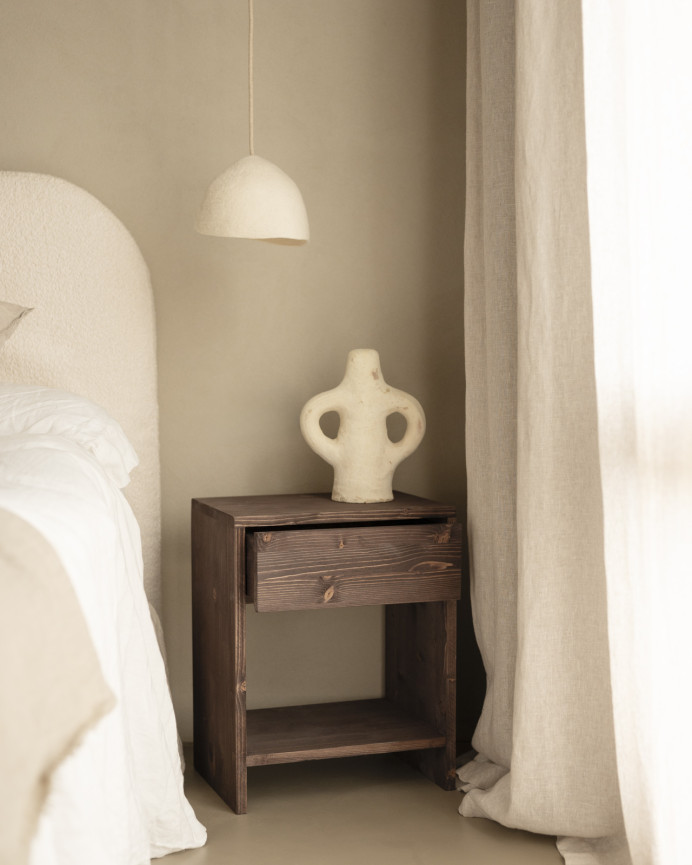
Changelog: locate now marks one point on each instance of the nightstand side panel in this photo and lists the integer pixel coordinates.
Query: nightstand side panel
(218, 614)
(420, 676)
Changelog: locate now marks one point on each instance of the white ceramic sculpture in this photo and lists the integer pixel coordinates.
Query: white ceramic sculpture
(362, 454)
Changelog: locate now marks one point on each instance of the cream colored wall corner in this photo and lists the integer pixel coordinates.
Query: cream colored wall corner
(361, 103)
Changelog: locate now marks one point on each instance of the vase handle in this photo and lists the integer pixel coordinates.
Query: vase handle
(314, 408)
(413, 413)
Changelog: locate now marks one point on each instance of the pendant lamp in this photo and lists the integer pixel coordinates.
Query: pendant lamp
(254, 198)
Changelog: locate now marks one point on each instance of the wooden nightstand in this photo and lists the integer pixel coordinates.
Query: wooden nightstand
(298, 552)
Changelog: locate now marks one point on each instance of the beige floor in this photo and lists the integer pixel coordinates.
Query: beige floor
(360, 811)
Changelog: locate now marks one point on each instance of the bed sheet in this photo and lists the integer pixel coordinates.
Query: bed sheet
(118, 799)
(52, 689)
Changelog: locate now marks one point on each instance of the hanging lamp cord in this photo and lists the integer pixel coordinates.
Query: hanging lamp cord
(250, 75)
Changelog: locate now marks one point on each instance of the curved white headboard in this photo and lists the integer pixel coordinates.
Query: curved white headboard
(92, 330)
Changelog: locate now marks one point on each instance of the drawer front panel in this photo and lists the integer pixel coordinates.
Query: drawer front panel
(302, 569)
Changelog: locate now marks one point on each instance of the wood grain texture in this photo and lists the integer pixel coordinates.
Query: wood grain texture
(318, 509)
(352, 565)
(319, 732)
(420, 676)
(218, 653)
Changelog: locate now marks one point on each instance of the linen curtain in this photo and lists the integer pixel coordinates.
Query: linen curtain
(560, 472)
(638, 97)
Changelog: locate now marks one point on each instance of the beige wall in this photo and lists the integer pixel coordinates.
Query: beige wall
(143, 102)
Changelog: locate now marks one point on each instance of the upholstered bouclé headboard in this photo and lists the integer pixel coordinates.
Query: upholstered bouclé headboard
(92, 328)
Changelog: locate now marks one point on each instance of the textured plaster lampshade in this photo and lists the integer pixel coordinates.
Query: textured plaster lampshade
(255, 199)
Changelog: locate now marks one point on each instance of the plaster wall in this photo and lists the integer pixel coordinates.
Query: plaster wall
(142, 104)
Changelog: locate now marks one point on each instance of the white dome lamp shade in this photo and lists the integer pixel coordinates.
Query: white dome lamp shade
(254, 198)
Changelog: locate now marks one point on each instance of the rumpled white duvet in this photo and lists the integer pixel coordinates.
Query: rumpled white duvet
(118, 798)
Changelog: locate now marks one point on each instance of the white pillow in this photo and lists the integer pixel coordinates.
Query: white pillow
(10, 316)
(46, 411)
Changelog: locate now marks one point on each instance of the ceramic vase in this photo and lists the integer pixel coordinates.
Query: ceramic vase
(362, 455)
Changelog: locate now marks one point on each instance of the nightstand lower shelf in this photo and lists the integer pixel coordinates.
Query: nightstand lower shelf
(291, 734)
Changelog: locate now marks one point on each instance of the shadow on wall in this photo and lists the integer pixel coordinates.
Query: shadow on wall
(444, 316)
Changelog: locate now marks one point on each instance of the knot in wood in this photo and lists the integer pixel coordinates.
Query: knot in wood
(329, 594)
(443, 536)
(266, 537)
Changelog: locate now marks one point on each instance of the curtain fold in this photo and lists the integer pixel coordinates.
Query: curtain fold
(490, 358)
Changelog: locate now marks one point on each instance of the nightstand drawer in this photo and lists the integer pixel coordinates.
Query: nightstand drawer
(344, 566)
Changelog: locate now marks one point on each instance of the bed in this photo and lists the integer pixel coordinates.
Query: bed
(90, 770)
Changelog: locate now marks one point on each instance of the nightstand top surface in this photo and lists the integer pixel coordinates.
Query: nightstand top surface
(308, 508)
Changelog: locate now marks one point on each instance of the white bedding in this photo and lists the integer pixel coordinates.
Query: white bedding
(118, 798)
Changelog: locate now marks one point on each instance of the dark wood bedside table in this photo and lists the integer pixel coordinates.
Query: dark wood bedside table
(298, 552)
